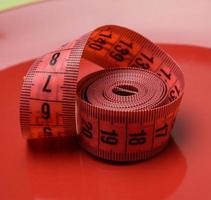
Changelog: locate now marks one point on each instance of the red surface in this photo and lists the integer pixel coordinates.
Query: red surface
(182, 171)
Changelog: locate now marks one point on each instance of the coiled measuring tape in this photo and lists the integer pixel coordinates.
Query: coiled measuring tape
(125, 112)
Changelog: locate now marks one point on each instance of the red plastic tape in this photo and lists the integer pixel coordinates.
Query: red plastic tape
(124, 113)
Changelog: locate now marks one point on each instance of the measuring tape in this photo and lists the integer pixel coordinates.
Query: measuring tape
(125, 112)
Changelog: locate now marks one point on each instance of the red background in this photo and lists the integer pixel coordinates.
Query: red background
(182, 171)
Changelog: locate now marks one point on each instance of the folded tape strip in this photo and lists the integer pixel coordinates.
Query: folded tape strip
(123, 113)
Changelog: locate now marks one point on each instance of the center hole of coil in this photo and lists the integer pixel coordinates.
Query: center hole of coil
(125, 90)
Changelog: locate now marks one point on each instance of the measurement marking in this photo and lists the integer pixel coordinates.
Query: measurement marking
(126, 135)
(135, 55)
(59, 125)
(153, 134)
(50, 72)
(98, 145)
(173, 85)
(49, 100)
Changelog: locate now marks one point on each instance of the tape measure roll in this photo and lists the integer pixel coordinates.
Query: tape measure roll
(122, 114)
(125, 112)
